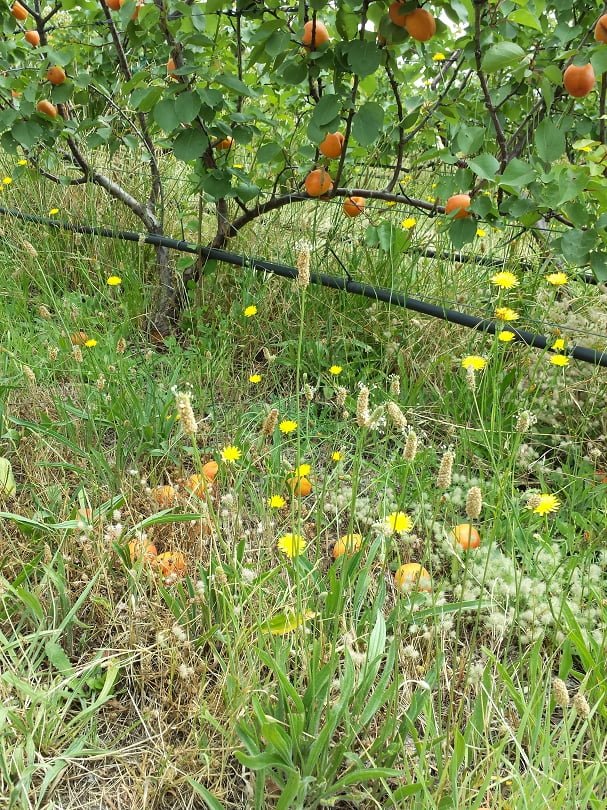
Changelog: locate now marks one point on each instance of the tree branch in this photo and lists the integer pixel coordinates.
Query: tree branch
(499, 132)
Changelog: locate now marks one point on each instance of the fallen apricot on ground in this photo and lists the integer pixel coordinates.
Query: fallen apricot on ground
(210, 470)
(348, 544)
(171, 563)
(300, 486)
(142, 550)
(56, 75)
(314, 34)
(420, 24)
(318, 182)
(579, 80)
(196, 485)
(165, 496)
(460, 203)
(332, 145)
(33, 37)
(353, 206)
(466, 535)
(48, 108)
(78, 338)
(412, 577)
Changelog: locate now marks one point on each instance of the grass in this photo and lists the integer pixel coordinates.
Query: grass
(258, 680)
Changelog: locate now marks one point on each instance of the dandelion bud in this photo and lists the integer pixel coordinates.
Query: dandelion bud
(121, 346)
(303, 268)
(397, 416)
(410, 450)
(340, 396)
(581, 706)
(44, 312)
(269, 423)
(525, 421)
(394, 385)
(445, 471)
(560, 693)
(363, 417)
(183, 402)
(474, 503)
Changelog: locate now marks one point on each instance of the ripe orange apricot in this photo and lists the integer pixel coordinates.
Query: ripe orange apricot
(412, 577)
(18, 12)
(47, 108)
(78, 338)
(354, 206)
(318, 182)
(227, 143)
(33, 37)
(332, 145)
(300, 486)
(460, 203)
(394, 12)
(466, 535)
(138, 5)
(210, 470)
(114, 5)
(196, 485)
(171, 67)
(56, 75)
(420, 24)
(142, 550)
(600, 29)
(348, 544)
(579, 80)
(319, 31)
(171, 563)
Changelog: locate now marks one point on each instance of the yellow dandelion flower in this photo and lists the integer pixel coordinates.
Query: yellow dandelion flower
(506, 336)
(230, 454)
(390, 203)
(291, 544)
(505, 280)
(238, 166)
(481, 232)
(335, 370)
(276, 502)
(255, 378)
(557, 279)
(547, 503)
(474, 361)
(336, 456)
(6, 181)
(506, 314)
(559, 360)
(287, 426)
(90, 343)
(399, 522)
(22, 162)
(303, 470)
(249, 311)
(408, 223)
(439, 57)
(114, 281)
(53, 212)
(559, 344)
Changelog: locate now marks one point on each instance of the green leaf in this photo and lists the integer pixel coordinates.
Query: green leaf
(145, 98)
(517, 173)
(470, 139)
(549, 140)
(326, 110)
(234, 83)
(208, 798)
(187, 105)
(484, 166)
(269, 152)
(284, 623)
(502, 55)
(599, 60)
(165, 115)
(56, 655)
(190, 144)
(367, 123)
(462, 231)
(523, 16)
(8, 488)
(363, 57)
(26, 133)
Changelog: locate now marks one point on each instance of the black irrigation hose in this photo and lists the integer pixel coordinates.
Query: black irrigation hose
(389, 296)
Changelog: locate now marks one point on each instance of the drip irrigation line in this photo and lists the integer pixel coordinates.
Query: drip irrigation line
(371, 291)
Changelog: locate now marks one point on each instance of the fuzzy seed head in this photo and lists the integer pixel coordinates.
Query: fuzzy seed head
(363, 417)
(77, 354)
(183, 402)
(410, 450)
(29, 375)
(269, 423)
(121, 346)
(525, 421)
(340, 396)
(394, 385)
(44, 312)
(560, 693)
(397, 417)
(581, 706)
(303, 268)
(445, 471)
(474, 503)
(471, 378)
